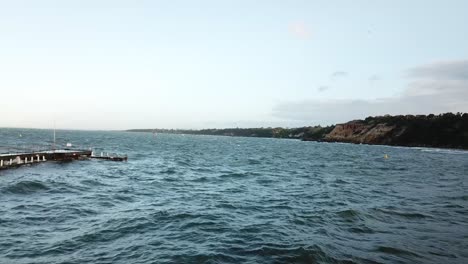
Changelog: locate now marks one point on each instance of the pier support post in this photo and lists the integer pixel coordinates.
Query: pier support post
(11, 161)
(25, 160)
(43, 158)
(32, 159)
(38, 158)
(1, 163)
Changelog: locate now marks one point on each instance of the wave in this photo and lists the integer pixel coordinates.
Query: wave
(410, 215)
(350, 215)
(201, 179)
(93, 182)
(169, 171)
(361, 230)
(26, 187)
(234, 175)
(287, 254)
(442, 151)
(396, 251)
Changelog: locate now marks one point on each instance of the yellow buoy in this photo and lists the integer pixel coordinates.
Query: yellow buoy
(385, 156)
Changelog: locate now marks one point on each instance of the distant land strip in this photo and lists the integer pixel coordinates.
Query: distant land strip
(447, 130)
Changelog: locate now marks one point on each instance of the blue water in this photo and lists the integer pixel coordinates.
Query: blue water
(208, 199)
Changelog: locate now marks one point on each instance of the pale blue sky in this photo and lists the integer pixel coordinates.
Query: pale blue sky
(196, 64)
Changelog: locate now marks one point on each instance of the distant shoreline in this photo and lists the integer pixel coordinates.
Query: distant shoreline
(447, 131)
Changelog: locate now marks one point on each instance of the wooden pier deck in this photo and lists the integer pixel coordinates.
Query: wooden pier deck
(11, 160)
(113, 158)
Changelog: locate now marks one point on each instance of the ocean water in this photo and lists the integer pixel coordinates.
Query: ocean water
(208, 199)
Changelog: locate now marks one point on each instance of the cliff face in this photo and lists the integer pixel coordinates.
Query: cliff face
(359, 132)
(445, 131)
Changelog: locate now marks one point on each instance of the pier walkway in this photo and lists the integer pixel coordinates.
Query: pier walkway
(10, 160)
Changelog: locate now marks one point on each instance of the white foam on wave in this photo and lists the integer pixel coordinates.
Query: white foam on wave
(442, 151)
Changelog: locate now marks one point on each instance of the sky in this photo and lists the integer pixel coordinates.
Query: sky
(228, 63)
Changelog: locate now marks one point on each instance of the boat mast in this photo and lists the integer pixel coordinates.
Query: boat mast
(53, 146)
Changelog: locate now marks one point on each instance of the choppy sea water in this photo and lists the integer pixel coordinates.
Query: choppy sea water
(207, 199)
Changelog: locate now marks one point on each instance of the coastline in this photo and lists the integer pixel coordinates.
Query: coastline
(445, 131)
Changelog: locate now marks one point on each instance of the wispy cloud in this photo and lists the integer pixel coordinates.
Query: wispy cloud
(300, 30)
(323, 88)
(432, 88)
(338, 74)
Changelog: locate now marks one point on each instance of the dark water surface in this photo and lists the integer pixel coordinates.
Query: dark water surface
(206, 199)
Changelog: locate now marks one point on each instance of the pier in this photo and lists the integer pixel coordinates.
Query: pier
(113, 157)
(13, 160)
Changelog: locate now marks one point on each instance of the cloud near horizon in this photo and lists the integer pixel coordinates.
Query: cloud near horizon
(433, 88)
(443, 70)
